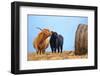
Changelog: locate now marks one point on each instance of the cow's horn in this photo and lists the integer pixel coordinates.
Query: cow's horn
(39, 28)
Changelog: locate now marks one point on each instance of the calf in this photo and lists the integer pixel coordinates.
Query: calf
(56, 42)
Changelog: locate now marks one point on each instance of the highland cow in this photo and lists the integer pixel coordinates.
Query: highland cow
(41, 42)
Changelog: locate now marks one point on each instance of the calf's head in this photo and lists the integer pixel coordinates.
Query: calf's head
(54, 34)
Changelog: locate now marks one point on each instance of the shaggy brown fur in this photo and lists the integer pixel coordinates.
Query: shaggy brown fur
(41, 42)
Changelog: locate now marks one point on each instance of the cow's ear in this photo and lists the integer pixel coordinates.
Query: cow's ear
(39, 28)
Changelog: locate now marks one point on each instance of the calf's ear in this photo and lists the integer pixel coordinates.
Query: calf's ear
(51, 31)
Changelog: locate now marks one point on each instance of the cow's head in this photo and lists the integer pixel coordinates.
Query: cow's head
(46, 32)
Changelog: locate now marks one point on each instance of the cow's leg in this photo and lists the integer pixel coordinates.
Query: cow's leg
(52, 49)
(61, 48)
(37, 51)
(58, 49)
(40, 52)
(43, 51)
(55, 50)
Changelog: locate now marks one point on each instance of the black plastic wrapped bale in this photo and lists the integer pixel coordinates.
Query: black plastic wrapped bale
(81, 40)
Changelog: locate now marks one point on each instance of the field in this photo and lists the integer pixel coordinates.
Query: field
(55, 56)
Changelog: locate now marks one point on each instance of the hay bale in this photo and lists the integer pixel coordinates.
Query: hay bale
(81, 40)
